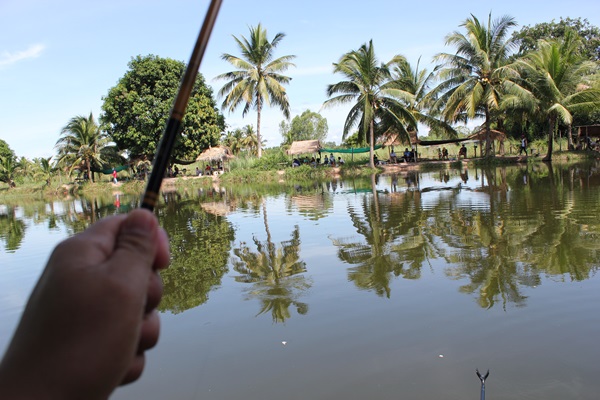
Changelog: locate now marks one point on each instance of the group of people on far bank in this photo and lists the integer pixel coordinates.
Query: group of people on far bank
(313, 162)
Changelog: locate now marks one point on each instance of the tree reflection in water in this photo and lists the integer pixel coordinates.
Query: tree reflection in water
(499, 233)
(12, 229)
(379, 252)
(273, 272)
(200, 244)
(527, 223)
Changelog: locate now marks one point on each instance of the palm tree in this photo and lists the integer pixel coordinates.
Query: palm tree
(83, 144)
(25, 167)
(378, 103)
(233, 140)
(257, 80)
(45, 170)
(478, 74)
(418, 82)
(250, 140)
(555, 73)
(8, 170)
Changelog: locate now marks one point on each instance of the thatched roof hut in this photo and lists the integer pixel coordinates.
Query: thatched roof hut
(304, 147)
(494, 135)
(308, 202)
(218, 208)
(217, 153)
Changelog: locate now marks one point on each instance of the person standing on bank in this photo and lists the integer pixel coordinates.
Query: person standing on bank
(114, 175)
(523, 145)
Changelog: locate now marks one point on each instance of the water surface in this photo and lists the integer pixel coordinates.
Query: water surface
(386, 287)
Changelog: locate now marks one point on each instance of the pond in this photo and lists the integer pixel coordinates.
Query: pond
(394, 286)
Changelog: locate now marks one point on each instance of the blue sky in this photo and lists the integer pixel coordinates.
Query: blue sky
(59, 58)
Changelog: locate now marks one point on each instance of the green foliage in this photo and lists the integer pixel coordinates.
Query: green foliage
(84, 146)
(136, 110)
(354, 140)
(307, 126)
(257, 80)
(378, 105)
(274, 273)
(418, 83)
(528, 37)
(234, 140)
(12, 230)
(272, 159)
(200, 244)
(5, 150)
(45, 170)
(475, 78)
(554, 73)
(305, 172)
(8, 170)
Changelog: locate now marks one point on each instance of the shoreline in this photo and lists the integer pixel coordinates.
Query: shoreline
(281, 175)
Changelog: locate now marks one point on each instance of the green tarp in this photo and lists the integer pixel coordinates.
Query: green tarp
(351, 151)
(109, 171)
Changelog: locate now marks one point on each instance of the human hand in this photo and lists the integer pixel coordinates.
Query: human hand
(92, 313)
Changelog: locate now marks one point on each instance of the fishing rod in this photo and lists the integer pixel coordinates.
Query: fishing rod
(167, 141)
(482, 379)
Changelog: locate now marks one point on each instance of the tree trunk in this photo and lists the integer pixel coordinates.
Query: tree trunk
(548, 157)
(371, 143)
(570, 137)
(89, 170)
(258, 112)
(488, 141)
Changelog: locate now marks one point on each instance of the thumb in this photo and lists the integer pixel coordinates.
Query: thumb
(135, 250)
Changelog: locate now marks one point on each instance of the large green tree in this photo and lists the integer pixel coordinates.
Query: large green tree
(83, 145)
(307, 126)
(528, 37)
(474, 78)
(8, 165)
(257, 81)
(378, 105)
(5, 150)
(136, 110)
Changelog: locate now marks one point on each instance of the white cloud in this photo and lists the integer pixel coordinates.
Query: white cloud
(7, 58)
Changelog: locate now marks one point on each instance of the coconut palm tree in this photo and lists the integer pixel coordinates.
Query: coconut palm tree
(83, 144)
(555, 73)
(250, 140)
(45, 170)
(257, 80)
(233, 140)
(8, 170)
(474, 78)
(378, 104)
(25, 167)
(419, 82)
